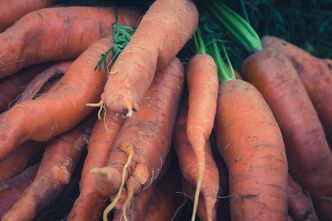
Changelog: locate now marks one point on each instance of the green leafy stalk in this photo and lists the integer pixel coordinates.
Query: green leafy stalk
(121, 36)
(199, 42)
(236, 25)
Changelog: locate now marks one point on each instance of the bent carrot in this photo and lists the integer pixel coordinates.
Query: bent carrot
(145, 138)
(80, 85)
(90, 203)
(188, 166)
(11, 190)
(299, 203)
(170, 23)
(316, 75)
(56, 34)
(251, 144)
(18, 160)
(12, 86)
(11, 11)
(55, 170)
(308, 153)
(202, 79)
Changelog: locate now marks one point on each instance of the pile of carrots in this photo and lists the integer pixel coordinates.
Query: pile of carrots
(158, 139)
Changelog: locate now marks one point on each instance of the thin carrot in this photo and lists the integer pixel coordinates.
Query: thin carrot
(55, 170)
(12, 86)
(299, 203)
(308, 153)
(12, 189)
(162, 32)
(316, 75)
(53, 34)
(188, 166)
(144, 141)
(80, 85)
(90, 203)
(11, 11)
(18, 160)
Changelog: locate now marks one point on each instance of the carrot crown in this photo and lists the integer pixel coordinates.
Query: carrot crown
(238, 27)
(121, 36)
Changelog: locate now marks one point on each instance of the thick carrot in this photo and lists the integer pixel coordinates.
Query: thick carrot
(12, 86)
(144, 141)
(308, 153)
(11, 11)
(61, 108)
(41, 82)
(56, 34)
(299, 203)
(90, 203)
(55, 170)
(251, 144)
(202, 79)
(316, 75)
(188, 165)
(162, 32)
(18, 160)
(11, 190)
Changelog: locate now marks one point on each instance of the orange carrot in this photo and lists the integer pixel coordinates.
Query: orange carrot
(202, 78)
(299, 203)
(90, 203)
(17, 160)
(169, 24)
(308, 152)
(251, 144)
(144, 141)
(40, 83)
(55, 170)
(56, 34)
(80, 85)
(186, 154)
(316, 75)
(12, 86)
(11, 11)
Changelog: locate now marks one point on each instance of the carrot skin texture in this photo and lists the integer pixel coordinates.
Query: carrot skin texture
(308, 153)
(170, 23)
(251, 144)
(90, 203)
(80, 85)
(55, 170)
(12, 189)
(17, 160)
(71, 29)
(210, 187)
(149, 131)
(299, 203)
(316, 75)
(11, 11)
(12, 86)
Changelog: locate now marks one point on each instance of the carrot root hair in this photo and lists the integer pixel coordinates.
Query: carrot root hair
(129, 149)
(126, 204)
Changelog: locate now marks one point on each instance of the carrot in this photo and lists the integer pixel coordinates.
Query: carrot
(316, 75)
(12, 86)
(299, 203)
(80, 85)
(143, 142)
(11, 11)
(188, 166)
(169, 24)
(90, 203)
(55, 170)
(12, 189)
(56, 34)
(40, 83)
(251, 144)
(18, 160)
(308, 153)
